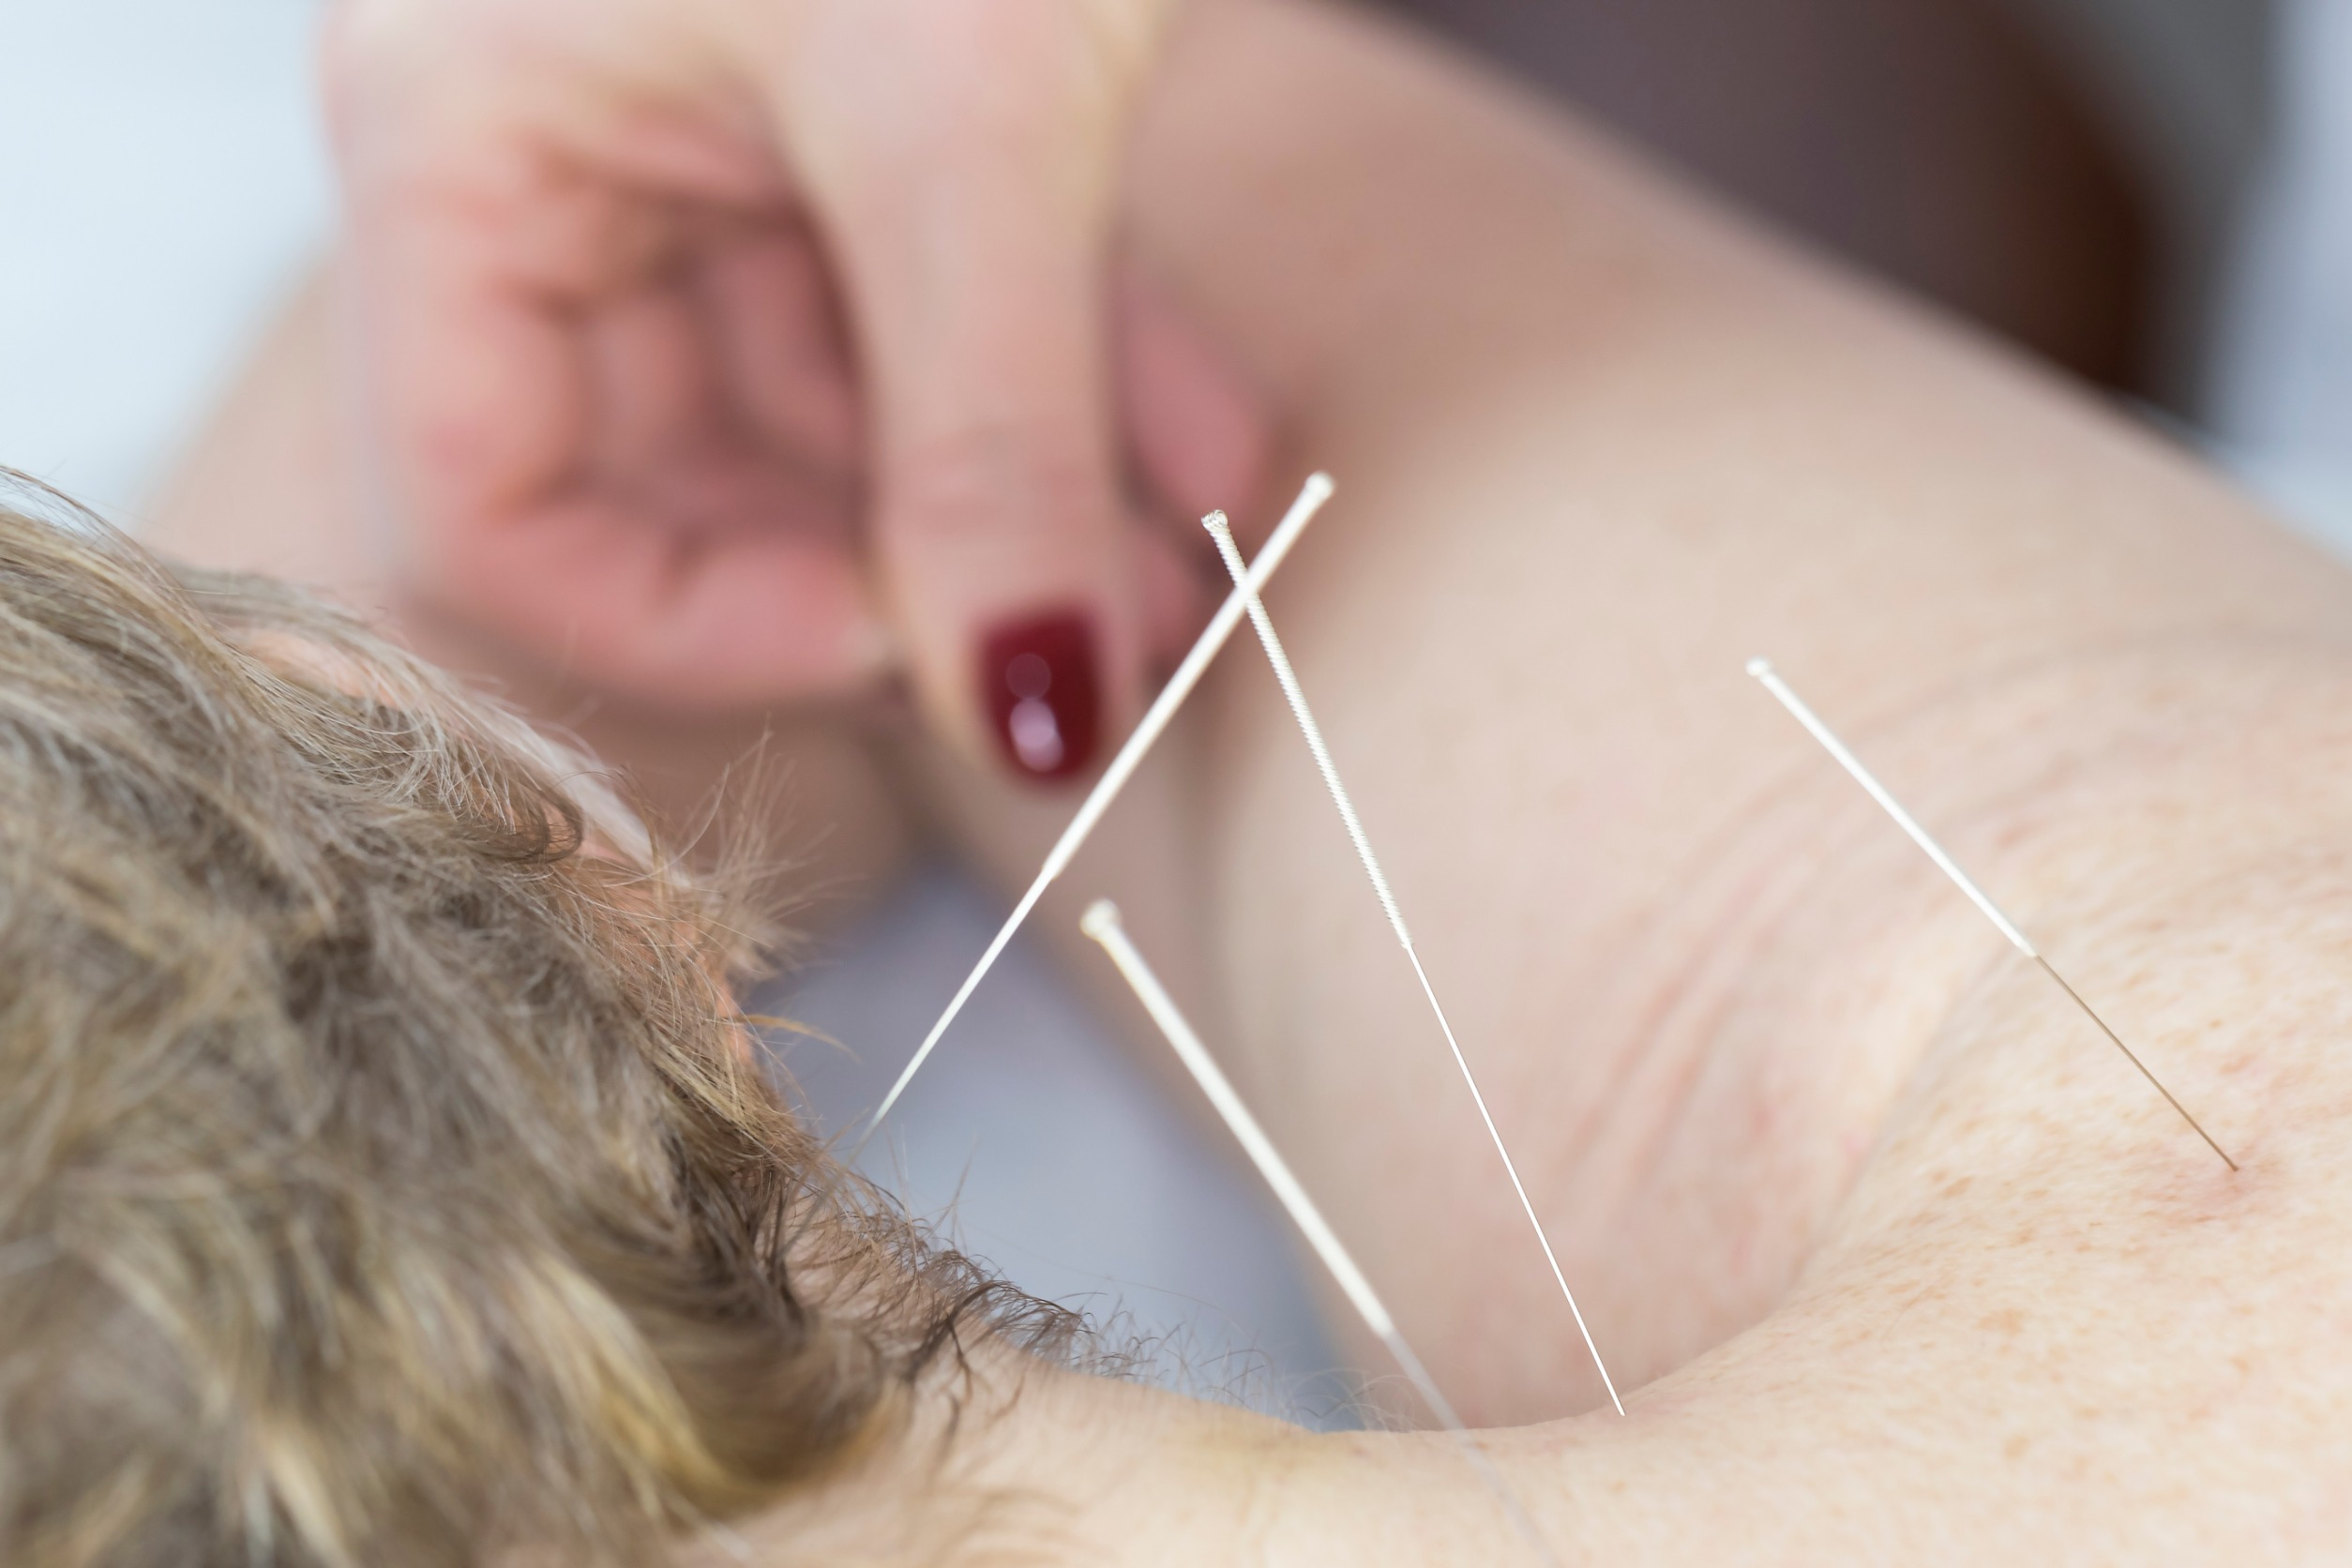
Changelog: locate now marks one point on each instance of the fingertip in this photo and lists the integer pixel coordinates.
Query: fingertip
(1199, 432)
(1171, 595)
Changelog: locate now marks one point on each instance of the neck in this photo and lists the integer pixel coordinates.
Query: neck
(1024, 1462)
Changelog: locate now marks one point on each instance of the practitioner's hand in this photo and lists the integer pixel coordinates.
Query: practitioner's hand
(732, 351)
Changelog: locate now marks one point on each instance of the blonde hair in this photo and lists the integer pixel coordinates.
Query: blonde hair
(383, 1178)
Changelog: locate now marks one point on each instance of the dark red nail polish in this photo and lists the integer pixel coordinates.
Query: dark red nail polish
(1039, 681)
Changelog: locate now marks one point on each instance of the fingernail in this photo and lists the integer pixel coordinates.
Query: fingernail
(1039, 682)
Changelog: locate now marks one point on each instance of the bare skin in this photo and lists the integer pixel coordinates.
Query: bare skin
(1899, 1258)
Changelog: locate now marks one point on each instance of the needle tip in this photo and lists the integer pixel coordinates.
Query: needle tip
(1318, 485)
(1100, 919)
(1759, 667)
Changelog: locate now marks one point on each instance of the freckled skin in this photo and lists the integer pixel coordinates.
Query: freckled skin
(1911, 1262)
(1896, 1257)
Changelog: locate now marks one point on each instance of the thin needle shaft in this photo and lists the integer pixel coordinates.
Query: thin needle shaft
(1156, 718)
(1223, 533)
(1762, 670)
(1101, 922)
(2132, 1057)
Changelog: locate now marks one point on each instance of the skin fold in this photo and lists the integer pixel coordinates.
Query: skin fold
(1896, 1257)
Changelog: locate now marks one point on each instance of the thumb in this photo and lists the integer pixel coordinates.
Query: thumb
(966, 198)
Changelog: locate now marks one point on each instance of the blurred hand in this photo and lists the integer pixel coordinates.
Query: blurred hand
(727, 352)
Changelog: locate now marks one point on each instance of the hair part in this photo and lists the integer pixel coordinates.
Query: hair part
(383, 1176)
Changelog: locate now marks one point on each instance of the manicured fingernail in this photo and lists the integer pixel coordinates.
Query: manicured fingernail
(1040, 684)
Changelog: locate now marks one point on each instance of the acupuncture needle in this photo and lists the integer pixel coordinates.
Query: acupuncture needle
(1098, 800)
(1222, 532)
(1762, 670)
(1101, 922)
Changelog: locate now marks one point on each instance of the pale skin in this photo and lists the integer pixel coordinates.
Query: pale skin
(1896, 1257)
(740, 353)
